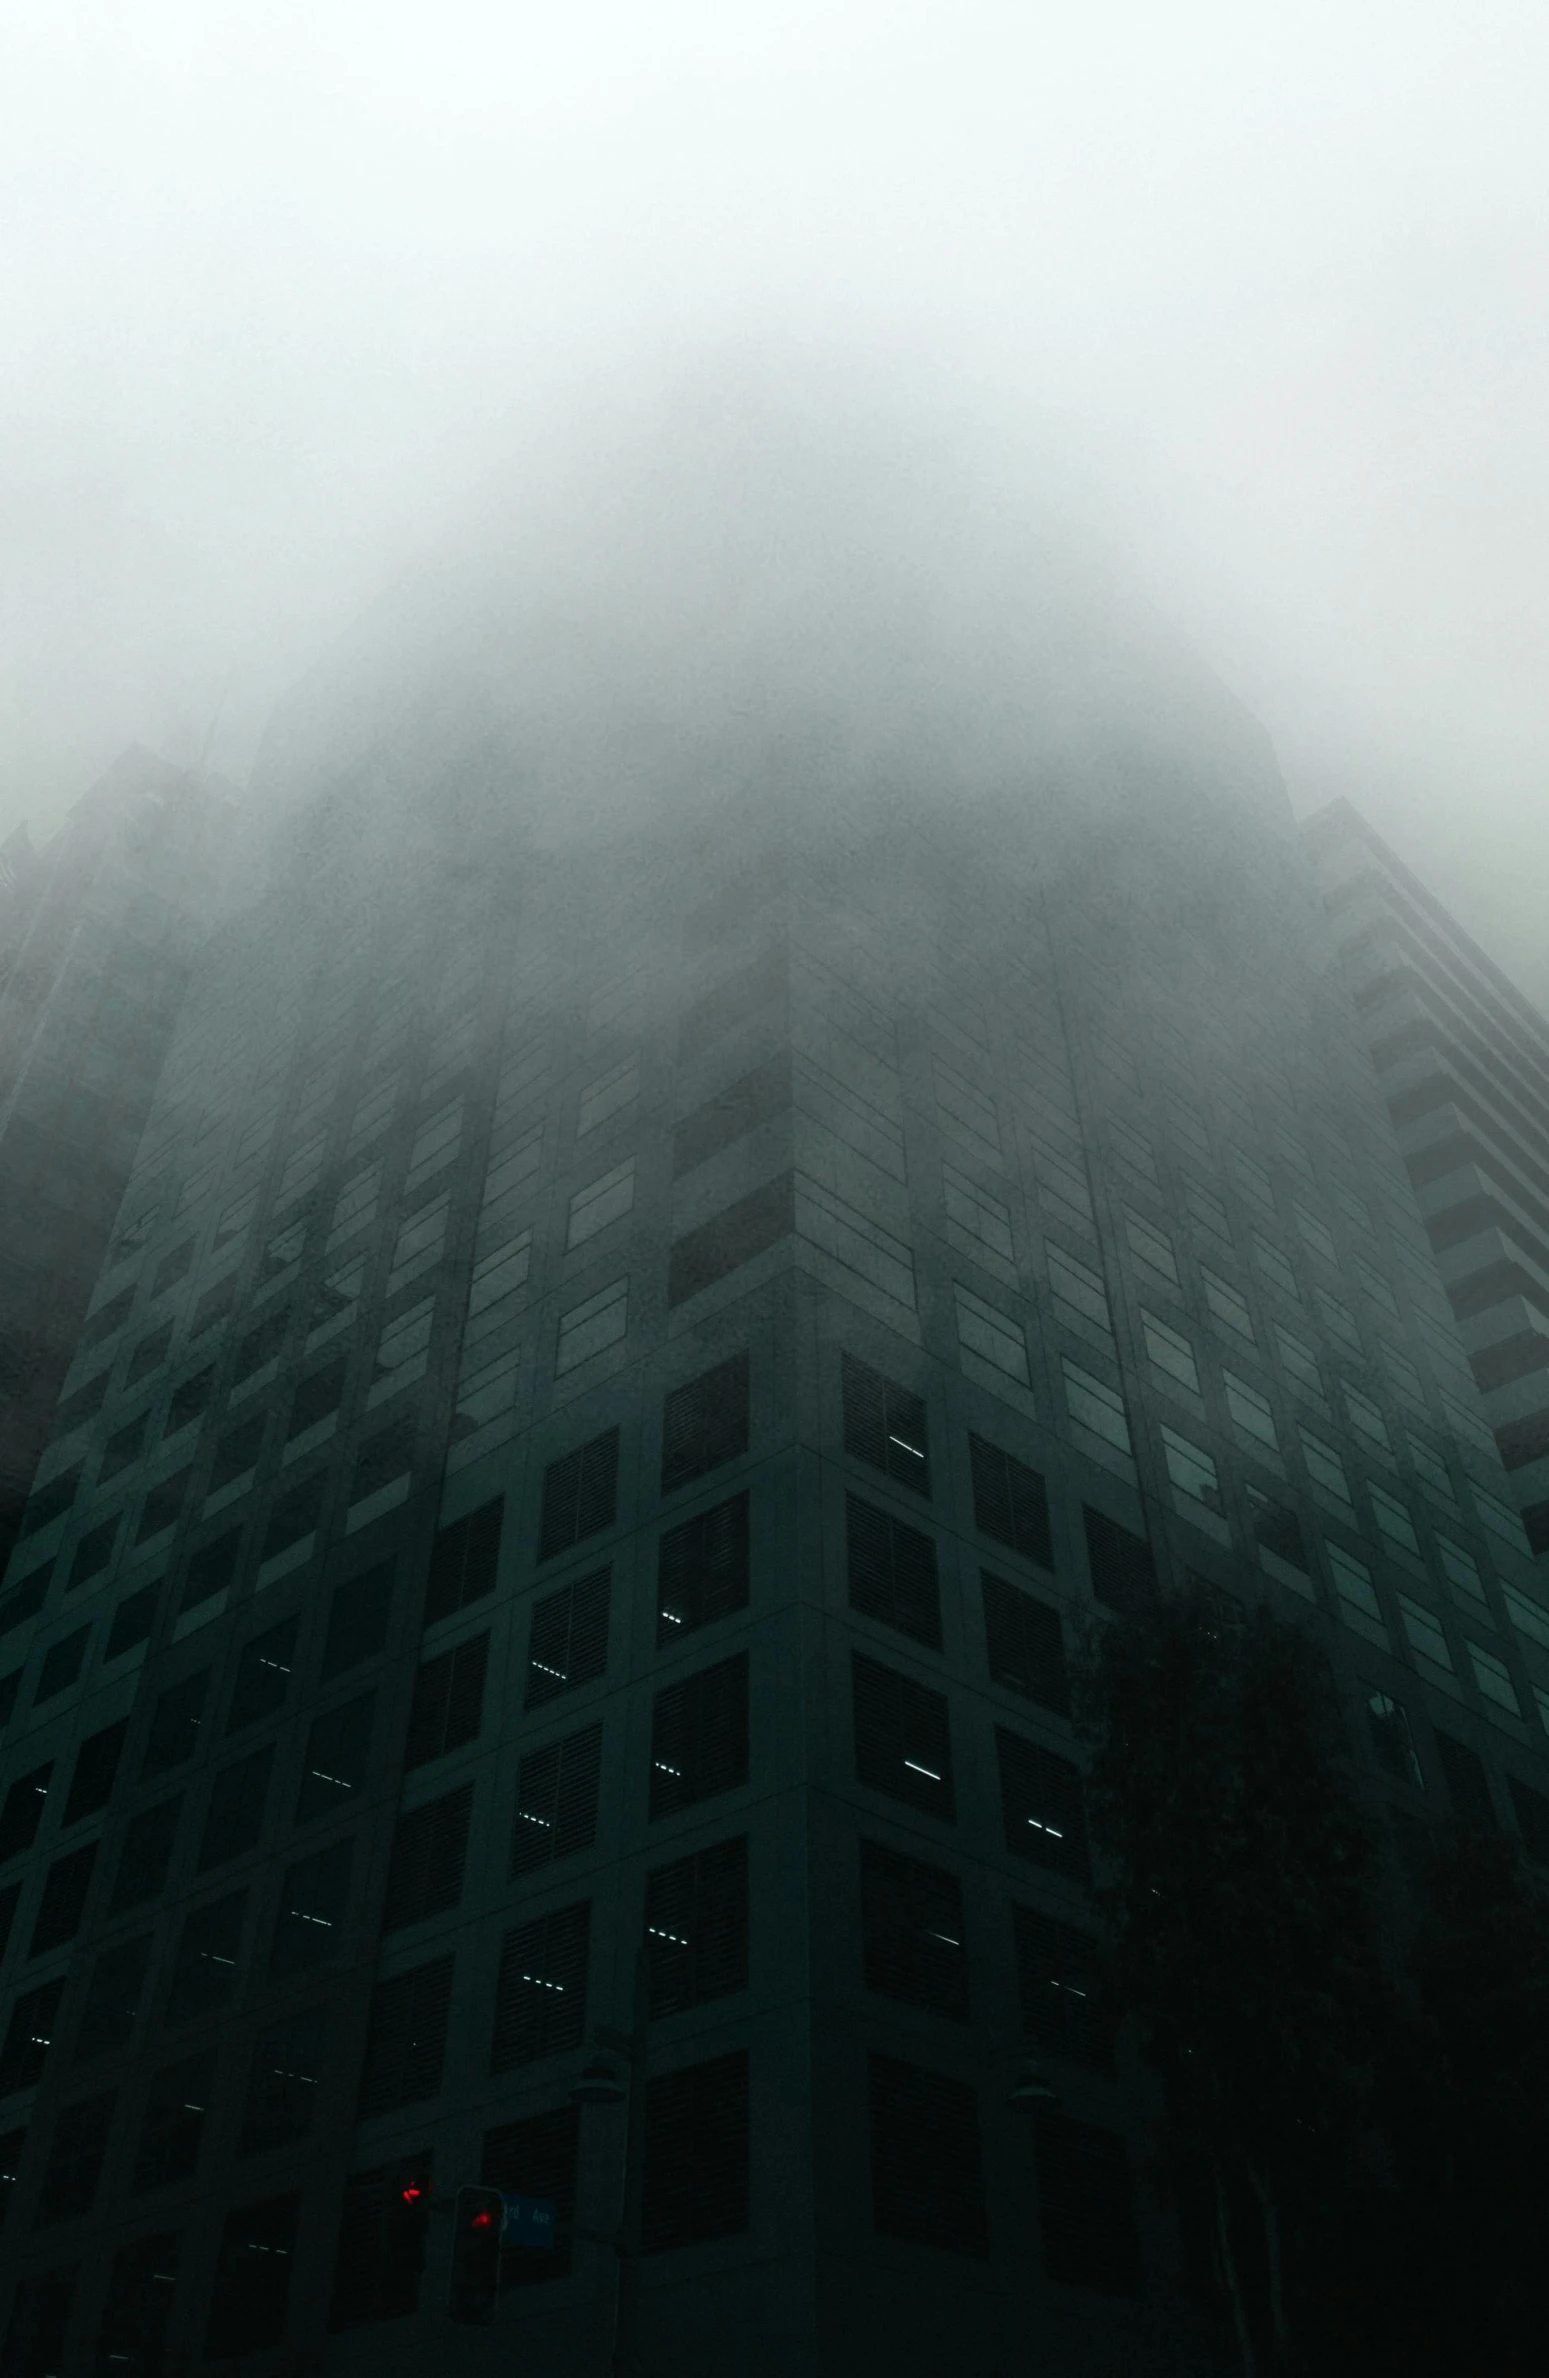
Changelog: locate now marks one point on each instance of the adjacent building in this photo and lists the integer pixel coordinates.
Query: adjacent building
(627, 1355)
(1463, 1060)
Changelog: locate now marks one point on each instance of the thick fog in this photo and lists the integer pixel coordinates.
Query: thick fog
(1253, 298)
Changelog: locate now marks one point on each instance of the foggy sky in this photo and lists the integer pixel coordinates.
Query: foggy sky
(287, 285)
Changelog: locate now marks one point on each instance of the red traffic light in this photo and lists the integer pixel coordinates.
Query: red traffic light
(482, 2219)
(412, 2196)
(474, 2280)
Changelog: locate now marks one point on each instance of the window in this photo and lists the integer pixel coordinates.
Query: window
(1324, 1467)
(1531, 1809)
(927, 2182)
(605, 1200)
(974, 1210)
(448, 1704)
(1366, 1417)
(568, 1642)
(1040, 1797)
(338, 1753)
(1011, 1502)
(854, 1239)
(1393, 1520)
(961, 1107)
(294, 1516)
(696, 1925)
(1358, 1603)
(163, 1506)
(1392, 1739)
(283, 2081)
(205, 1973)
(29, 2036)
(23, 1810)
(1316, 1233)
(96, 1766)
(265, 1665)
(892, 1572)
(260, 1346)
(1276, 1529)
(1275, 1266)
(1095, 1406)
(540, 1989)
(429, 1847)
(589, 1328)
(994, 1337)
(1338, 1320)
(463, 1562)
(608, 1095)
(699, 1736)
(132, 1622)
(1065, 2007)
(1299, 1361)
(309, 1927)
(1207, 1209)
(579, 1494)
(1122, 1564)
(903, 1744)
(380, 1463)
(1467, 1785)
(381, 2253)
(145, 1856)
(1227, 1304)
(556, 1800)
(1169, 1350)
(123, 1448)
(1078, 1291)
(914, 1947)
(696, 2154)
(137, 2311)
(1493, 1679)
(435, 1144)
(1151, 1246)
(417, 1249)
(702, 1570)
(61, 1665)
(190, 1400)
(1024, 1644)
(252, 2277)
(175, 1727)
(235, 1816)
(884, 1424)
(705, 1423)
(317, 1397)
(69, 2184)
(35, 2339)
(173, 2123)
(1086, 2207)
(46, 1504)
(745, 1104)
(1250, 1413)
(536, 2157)
(406, 2043)
(733, 1237)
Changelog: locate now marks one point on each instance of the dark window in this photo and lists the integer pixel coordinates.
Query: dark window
(1467, 1784)
(448, 1701)
(536, 2157)
(252, 2277)
(174, 1734)
(1392, 1739)
(35, 2340)
(123, 1448)
(699, 1736)
(1535, 1519)
(163, 1506)
(1040, 1798)
(85, 1404)
(705, 1423)
(884, 1424)
(235, 1816)
(407, 2040)
(213, 1306)
(1065, 2006)
(357, 1621)
(731, 1238)
(283, 2081)
(702, 1570)
(381, 2255)
(63, 1903)
(927, 2181)
(696, 1926)
(173, 2123)
(190, 1399)
(1025, 1644)
(309, 1928)
(26, 1601)
(132, 2339)
(892, 1571)
(914, 1948)
(260, 1345)
(211, 1569)
(462, 1565)
(145, 1856)
(101, 1324)
(1277, 1530)
(94, 1552)
(732, 1001)
(426, 1875)
(113, 1999)
(1122, 1565)
(1086, 2205)
(265, 1665)
(9, 1686)
(29, 2036)
(10, 1899)
(48, 1504)
(382, 1458)
(556, 1800)
(579, 1495)
(61, 1665)
(903, 1740)
(338, 1752)
(11, 2147)
(568, 1644)
(23, 1810)
(205, 1975)
(236, 1452)
(540, 1990)
(1532, 1813)
(295, 1515)
(317, 1395)
(754, 1099)
(172, 1268)
(132, 1622)
(149, 1355)
(696, 2154)
(1011, 1502)
(74, 2165)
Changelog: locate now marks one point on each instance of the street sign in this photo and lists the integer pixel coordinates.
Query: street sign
(529, 2221)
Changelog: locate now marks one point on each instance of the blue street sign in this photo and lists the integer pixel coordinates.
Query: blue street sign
(529, 2221)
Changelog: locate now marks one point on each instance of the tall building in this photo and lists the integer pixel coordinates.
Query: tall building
(634, 1339)
(1463, 1061)
(96, 936)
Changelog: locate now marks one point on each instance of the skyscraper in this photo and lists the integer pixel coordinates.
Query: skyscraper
(1463, 1060)
(638, 1332)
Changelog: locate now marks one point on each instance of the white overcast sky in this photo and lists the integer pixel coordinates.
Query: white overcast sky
(283, 282)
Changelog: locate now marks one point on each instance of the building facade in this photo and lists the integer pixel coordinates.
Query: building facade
(1463, 1060)
(625, 1365)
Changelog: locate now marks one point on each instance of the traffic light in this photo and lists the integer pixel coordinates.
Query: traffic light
(475, 2280)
